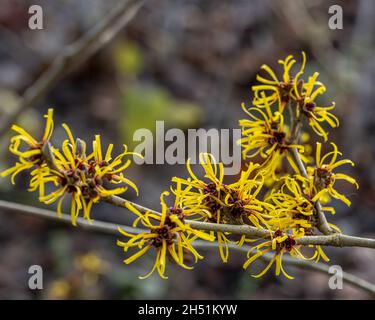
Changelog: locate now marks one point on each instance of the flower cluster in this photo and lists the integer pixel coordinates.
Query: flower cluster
(168, 235)
(293, 90)
(282, 197)
(295, 196)
(29, 152)
(69, 172)
(213, 201)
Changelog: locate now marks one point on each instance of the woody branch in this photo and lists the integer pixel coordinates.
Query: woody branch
(335, 240)
(110, 228)
(322, 223)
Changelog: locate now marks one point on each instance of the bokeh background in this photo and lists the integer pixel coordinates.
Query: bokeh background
(190, 63)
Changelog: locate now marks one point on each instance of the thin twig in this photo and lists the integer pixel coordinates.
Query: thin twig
(322, 223)
(110, 228)
(338, 240)
(73, 55)
(334, 240)
(321, 218)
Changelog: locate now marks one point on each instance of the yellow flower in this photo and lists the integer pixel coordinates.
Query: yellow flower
(280, 244)
(241, 198)
(110, 169)
(294, 205)
(203, 197)
(216, 202)
(267, 134)
(197, 193)
(40, 176)
(291, 89)
(71, 171)
(29, 153)
(85, 177)
(323, 176)
(168, 234)
(307, 106)
(273, 89)
(184, 201)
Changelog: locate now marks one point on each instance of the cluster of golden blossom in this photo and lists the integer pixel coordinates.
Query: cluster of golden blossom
(267, 195)
(87, 178)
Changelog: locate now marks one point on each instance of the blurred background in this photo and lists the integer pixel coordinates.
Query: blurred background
(190, 63)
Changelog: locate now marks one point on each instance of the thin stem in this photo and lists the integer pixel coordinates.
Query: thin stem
(338, 240)
(296, 124)
(321, 218)
(322, 223)
(110, 228)
(334, 240)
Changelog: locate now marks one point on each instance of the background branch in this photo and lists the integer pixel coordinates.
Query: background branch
(110, 228)
(73, 55)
